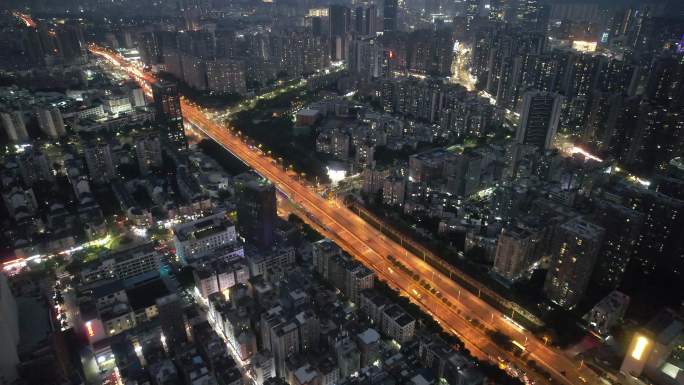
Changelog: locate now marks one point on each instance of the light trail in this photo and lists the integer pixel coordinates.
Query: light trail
(578, 150)
(26, 19)
(21, 262)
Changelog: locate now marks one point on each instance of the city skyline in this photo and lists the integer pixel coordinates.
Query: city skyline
(338, 193)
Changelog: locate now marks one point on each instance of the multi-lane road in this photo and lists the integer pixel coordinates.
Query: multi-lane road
(365, 243)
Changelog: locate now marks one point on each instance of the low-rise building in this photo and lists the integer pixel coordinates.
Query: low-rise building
(123, 263)
(398, 324)
(608, 312)
(200, 238)
(271, 261)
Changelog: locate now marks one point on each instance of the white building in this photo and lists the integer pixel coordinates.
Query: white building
(137, 97)
(92, 112)
(261, 263)
(284, 343)
(123, 263)
(117, 104)
(219, 277)
(205, 282)
(398, 324)
(608, 312)
(200, 238)
(262, 367)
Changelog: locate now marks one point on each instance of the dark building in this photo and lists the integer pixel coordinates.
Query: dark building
(168, 114)
(539, 119)
(316, 26)
(665, 77)
(622, 230)
(172, 320)
(150, 48)
(256, 211)
(364, 21)
(389, 16)
(340, 22)
(574, 251)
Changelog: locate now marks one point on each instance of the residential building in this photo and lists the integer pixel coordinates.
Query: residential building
(15, 128)
(350, 276)
(256, 210)
(515, 252)
(168, 114)
(51, 122)
(126, 262)
(575, 248)
(539, 119)
(100, 161)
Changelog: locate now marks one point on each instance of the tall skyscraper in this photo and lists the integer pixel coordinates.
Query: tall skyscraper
(256, 211)
(365, 20)
(575, 248)
(340, 21)
(539, 121)
(168, 114)
(389, 16)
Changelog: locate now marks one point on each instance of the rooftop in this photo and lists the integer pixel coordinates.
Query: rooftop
(369, 336)
(108, 288)
(145, 295)
(305, 374)
(203, 227)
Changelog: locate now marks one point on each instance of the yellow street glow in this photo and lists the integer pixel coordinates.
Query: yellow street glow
(519, 345)
(639, 347)
(584, 46)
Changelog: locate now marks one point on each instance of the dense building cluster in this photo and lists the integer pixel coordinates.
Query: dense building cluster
(516, 166)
